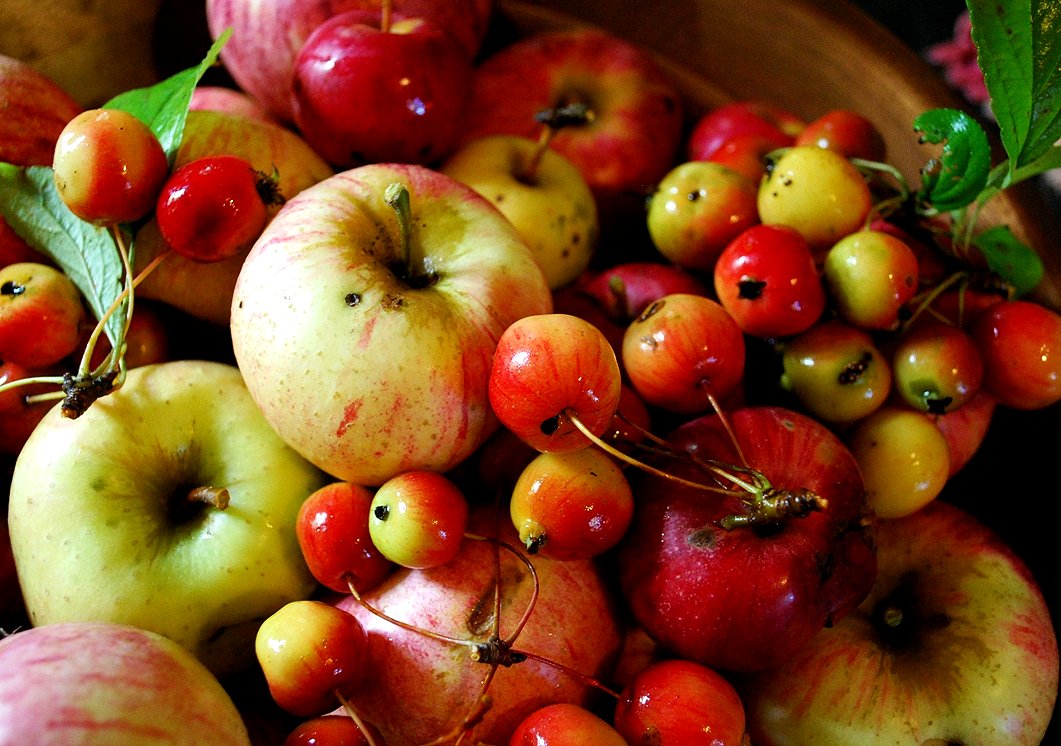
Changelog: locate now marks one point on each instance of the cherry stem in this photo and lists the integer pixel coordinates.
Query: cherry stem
(218, 497)
(933, 294)
(349, 709)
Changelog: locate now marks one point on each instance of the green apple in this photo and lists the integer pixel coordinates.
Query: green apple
(954, 645)
(365, 326)
(542, 194)
(107, 523)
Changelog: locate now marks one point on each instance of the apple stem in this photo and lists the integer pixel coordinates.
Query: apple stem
(215, 496)
(385, 16)
(397, 196)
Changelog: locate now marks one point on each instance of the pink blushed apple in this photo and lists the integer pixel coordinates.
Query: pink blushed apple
(366, 334)
(953, 645)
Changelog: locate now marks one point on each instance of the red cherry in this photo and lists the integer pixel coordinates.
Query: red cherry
(1020, 342)
(846, 132)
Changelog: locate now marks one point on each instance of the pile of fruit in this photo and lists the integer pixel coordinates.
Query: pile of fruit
(427, 388)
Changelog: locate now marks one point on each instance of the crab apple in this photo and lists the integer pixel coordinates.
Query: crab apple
(565, 724)
(549, 372)
(41, 313)
(818, 192)
(936, 367)
(696, 209)
(1020, 343)
(680, 701)
(423, 688)
(332, 532)
(573, 505)
(213, 208)
(332, 730)
(904, 458)
(19, 415)
(965, 428)
(268, 34)
(310, 652)
(332, 327)
(109, 166)
(625, 290)
(768, 281)
(417, 519)
(366, 94)
(541, 193)
(836, 371)
(683, 350)
(740, 581)
(758, 118)
(954, 644)
(849, 133)
(746, 154)
(871, 275)
(204, 290)
(633, 126)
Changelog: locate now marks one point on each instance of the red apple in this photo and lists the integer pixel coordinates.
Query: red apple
(748, 597)
(366, 94)
(423, 687)
(267, 36)
(953, 645)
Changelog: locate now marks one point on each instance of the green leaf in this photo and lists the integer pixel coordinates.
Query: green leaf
(958, 176)
(1018, 46)
(1013, 261)
(31, 205)
(164, 106)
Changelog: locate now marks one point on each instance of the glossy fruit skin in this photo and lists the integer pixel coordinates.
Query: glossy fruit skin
(680, 702)
(329, 730)
(417, 519)
(744, 599)
(767, 279)
(728, 120)
(871, 275)
(698, 208)
(904, 458)
(573, 505)
(308, 650)
(1020, 342)
(746, 154)
(682, 350)
(836, 371)
(211, 209)
(41, 314)
(564, 724)
(109, 166)
(937, 367)
(546, 366)
(332, 532)
(816, 191)
(847, 132)
(365, 95)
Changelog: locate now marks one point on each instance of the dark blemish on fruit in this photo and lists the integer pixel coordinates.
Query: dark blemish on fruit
(653, 308)
(694, 196)
(551, 425)
(499, 199)
(352, 299)
(12, 288)
(750, 289)
(381, 512)
(565, 253)
(703, 538)
(786, 180)
(853, 372)
(392, 301)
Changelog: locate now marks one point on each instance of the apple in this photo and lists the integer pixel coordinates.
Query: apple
(267, 36)
(228, 101)
(371, 91)
(422, 688)
(541, 192)
(953, 645)
(120, 515)
(100, 682)
(635, 114)
(366, 328)
(205, 289)
(41, 314)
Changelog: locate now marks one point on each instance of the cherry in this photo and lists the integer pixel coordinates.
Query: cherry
(332, 532)
(564, 724)
(937, 367)
(847, 132)
(816, 191)
(1020, 343)
(679, 701)
(109, 166)
(553, 375)
(574, 505)
(214, 207)
(417, 519)
(310, 652)
(41, 313)
(333, 730)
(696, 209)
(682, 352)
(836, 371)
(871, 276)
(767, 280)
